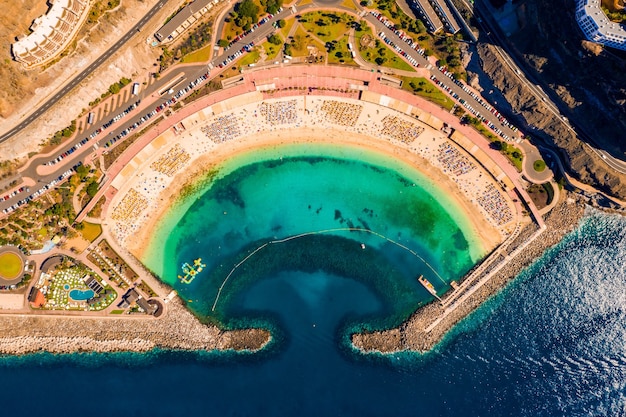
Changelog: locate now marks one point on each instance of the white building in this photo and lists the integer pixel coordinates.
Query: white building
(597, 27)
(51, 33)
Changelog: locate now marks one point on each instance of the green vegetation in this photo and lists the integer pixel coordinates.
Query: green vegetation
(284, 31)
(327, 26)
(201, 55)
(539, 165)
(96, 211)
(116, 87)
(275, 39)
(63, 134)
(514, 154)
(196, 40)
(42, 219)
(98, 8)
(68, 277)
(272, 6)
(446, 46)
(10, 265)
(338, 52)
(117, 312)
(297, 47)
(424, 88)
(271, 50)
(249, 58)
(245, 14)
(143, 286)
(91, 231)
(382, 56)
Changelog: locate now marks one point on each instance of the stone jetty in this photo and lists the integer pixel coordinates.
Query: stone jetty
(178, 329)
(427, 326)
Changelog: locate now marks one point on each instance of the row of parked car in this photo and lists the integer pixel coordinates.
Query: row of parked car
(479, 99)
(42, 190)
(14, 193)
(158, 109)
(230, 58)
(389, 42)
(239, 37)
(105, 126)
(403, 36)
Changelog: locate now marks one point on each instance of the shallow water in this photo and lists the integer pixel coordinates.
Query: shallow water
(315, 208)
(550, 344)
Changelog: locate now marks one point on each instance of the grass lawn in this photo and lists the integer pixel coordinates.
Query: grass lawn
(91, 231)
(201, 55)
(342, 48)
(539, 165)
(515, 155)
(424, 88)
(289, 24)
(117, 312)
(321, 25)
(249, 58)
(300, 42)
(390, 59)
(10, 265)
(271, 50)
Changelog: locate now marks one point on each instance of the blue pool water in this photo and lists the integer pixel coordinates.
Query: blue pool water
(79, 295)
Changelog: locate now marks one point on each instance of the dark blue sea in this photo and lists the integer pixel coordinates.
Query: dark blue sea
(552, 343)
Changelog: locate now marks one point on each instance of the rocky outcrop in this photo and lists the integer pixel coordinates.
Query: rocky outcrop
(591, 82)
(584, 164)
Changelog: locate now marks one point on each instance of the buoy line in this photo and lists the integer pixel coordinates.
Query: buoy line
(339, 229)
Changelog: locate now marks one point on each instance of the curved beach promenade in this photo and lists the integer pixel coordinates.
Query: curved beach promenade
(271, 107)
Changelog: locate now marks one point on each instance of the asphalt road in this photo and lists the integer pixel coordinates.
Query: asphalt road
(380, 27)
(83, 74)
(150, 99)
(493, 35)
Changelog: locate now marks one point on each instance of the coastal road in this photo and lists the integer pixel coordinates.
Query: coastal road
(462, 94)
(71, 84)
(40, 174)
(491, 31)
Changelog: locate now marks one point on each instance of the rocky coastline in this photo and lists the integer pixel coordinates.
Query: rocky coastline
(178, 329)
(415, 335)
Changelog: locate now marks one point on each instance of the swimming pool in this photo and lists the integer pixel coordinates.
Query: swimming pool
(79, 295)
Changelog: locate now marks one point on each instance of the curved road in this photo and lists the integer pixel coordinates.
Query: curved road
(80, 77)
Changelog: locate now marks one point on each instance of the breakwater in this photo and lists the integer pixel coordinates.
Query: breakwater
(178, 329)
(427, 326)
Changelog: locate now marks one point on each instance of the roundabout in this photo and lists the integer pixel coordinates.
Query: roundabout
(12, 263)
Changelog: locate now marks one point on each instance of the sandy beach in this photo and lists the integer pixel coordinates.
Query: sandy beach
(199, 145)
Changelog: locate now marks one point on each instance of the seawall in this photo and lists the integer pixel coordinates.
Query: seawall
(427, 326)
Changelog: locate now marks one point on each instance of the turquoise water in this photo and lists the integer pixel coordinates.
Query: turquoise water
(549, 345)
(308, 209)
(79, 295)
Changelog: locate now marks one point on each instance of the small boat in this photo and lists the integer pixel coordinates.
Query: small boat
(429, 287)
(362, 245)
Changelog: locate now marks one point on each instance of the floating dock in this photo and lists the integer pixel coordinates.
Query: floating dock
(429, 287)
(190, 271)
